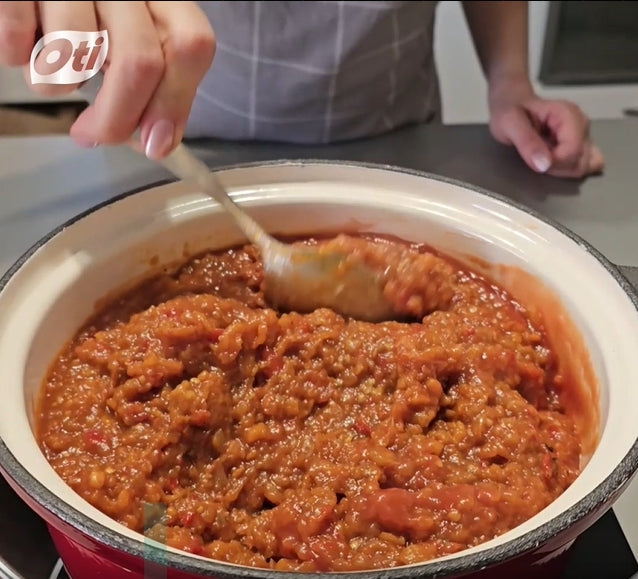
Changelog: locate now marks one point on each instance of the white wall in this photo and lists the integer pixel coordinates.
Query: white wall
(463, 86)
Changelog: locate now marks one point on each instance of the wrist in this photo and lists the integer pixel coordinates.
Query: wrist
(509, 88)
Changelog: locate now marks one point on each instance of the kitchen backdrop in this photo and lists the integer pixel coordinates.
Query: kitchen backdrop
(591, 39)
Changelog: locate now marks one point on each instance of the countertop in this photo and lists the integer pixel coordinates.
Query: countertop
(46, 180)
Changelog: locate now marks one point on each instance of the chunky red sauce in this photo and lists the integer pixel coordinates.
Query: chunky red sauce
(189, 410)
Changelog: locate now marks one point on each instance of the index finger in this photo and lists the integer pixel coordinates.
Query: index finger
(188, 42)
(135, 67)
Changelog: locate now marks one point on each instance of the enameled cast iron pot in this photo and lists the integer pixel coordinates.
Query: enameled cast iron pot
(590, 309)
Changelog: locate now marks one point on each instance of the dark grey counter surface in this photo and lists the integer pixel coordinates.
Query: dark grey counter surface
(46, 180)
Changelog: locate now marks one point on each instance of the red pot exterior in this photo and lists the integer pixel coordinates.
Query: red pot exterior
(85, 557)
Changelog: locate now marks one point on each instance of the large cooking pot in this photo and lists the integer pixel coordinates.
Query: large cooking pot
(589, 308)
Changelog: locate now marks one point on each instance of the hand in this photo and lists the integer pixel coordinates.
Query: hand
(158, 54)
(552, 136)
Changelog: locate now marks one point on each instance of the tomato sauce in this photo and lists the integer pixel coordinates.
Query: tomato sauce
(312, 442)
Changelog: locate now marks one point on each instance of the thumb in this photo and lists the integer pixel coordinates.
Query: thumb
(519, 131)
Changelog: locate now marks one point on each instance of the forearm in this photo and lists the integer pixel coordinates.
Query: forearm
(500, 34)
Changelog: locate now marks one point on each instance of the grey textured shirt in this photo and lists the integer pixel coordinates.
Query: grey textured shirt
(317, 72)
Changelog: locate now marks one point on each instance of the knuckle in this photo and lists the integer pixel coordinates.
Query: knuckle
(198, 46)
(565, 107)
(144, 66)
(571, 156)
(576, 111)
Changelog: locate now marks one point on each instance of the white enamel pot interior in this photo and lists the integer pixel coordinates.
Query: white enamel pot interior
(53, 288)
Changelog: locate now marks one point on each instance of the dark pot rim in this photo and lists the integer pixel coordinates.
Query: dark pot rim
(592, 505)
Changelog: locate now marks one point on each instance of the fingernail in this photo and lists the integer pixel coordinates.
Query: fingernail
(160, 139)
(541, 162)
(86, 143)
(596, 154)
